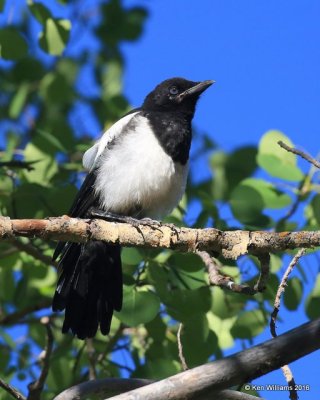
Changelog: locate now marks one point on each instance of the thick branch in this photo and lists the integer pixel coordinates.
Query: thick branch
(108, 386)
(231, 244)
(234, 370)
(101, 388)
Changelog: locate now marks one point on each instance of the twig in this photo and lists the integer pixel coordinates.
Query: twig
(33, 251)
(11, 390)
(111, 343)
(223, 281)
(18, 164)
(16, 316)
(35, 388)
(281, 289)
(293, 207)
(285, 368)
(293, 395)
(91, 359)
(77, 359)
(264, 272)
(300, 153)
(180, 348)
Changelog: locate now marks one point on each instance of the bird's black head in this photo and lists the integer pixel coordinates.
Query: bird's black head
(175, 94)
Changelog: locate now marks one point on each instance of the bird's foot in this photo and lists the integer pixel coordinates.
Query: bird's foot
(111, 217)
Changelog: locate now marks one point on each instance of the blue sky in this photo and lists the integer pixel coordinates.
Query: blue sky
(265, 58)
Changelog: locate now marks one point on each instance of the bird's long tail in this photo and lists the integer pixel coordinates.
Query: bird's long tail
(89, 287)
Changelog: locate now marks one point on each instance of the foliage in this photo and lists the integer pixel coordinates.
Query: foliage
(58, 88)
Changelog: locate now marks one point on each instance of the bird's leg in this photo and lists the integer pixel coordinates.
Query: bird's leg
(112, 217)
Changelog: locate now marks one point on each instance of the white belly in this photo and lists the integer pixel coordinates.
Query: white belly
(137, 173)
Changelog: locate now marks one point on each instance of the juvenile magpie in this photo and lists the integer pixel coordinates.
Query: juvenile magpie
(138, 168)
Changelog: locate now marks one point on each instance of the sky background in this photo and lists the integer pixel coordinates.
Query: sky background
(265, 58)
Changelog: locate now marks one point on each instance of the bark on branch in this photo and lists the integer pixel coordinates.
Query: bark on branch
(231, 244)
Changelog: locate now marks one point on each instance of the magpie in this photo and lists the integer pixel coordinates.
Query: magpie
(138, 169)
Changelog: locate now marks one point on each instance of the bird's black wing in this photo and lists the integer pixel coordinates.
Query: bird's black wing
(85, 199)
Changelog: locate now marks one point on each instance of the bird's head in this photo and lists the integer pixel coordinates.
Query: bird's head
(175, 94)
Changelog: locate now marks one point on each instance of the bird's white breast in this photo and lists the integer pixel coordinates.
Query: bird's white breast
(137, 173)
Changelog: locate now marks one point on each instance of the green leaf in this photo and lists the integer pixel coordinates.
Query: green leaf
(275, 160)
(2, 3)
(275, 263)
(27, 70)
(112, 80)
(181, 304)
(39, 11)
(131, 256)
(218, 162)
(240, 165)
(249, 324)
(50, 138)
(7, 283)
(312, 304)
(315, 205)
(138, 307)
(55, 36)
(18, 101)
(157, 369)
(198, 342)
(55, 88)
(45, 168)
(12, 45)
(221, 327)
(293, 294)
(226, 305)
(272, 197)
(247, 204)
(157, 328)
(252, 196)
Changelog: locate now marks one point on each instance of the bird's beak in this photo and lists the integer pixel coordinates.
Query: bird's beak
(198, 88)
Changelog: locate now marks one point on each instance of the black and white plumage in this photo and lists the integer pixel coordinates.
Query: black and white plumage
(138, 168)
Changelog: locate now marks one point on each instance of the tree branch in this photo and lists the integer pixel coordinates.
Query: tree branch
(285, 368)
(18, 164)
(101, 388)
(218, 279)
(231, 244)
(16, 316)
(11, 390)
(108, 386)
(33, 251)
(36, 388)
(180, 349)
(300, 153)
(234, 370)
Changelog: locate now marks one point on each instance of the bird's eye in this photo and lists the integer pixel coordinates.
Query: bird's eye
(174, 90)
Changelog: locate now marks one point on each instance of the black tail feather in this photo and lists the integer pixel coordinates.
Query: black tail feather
(89, 287)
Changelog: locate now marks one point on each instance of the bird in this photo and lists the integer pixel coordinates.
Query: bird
(137, 169)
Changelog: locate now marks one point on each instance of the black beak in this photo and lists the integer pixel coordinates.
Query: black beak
(198, 88)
